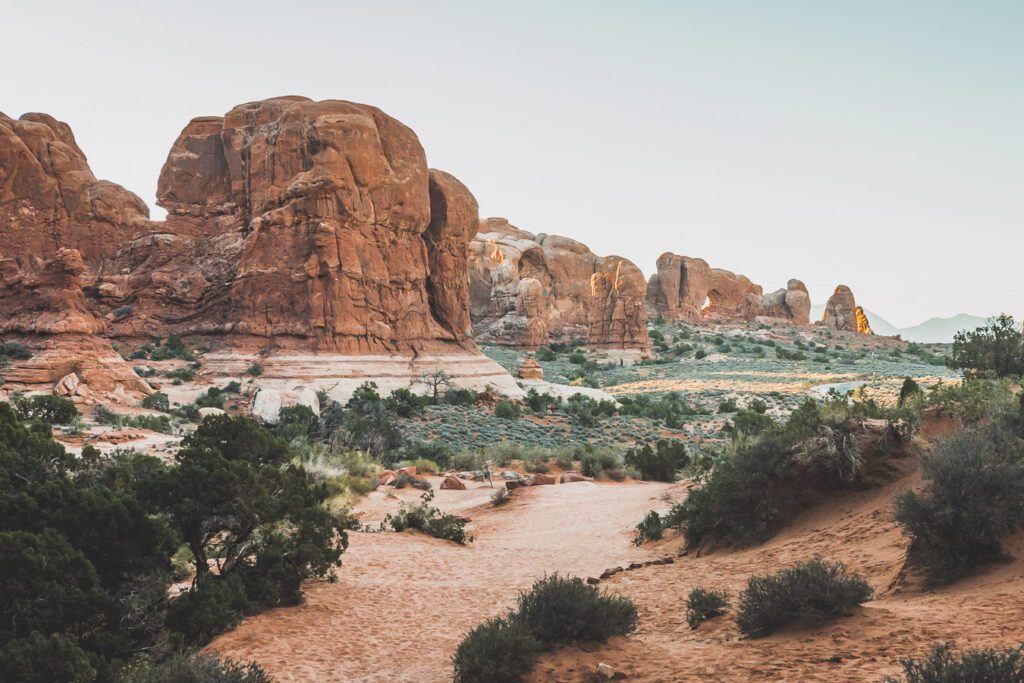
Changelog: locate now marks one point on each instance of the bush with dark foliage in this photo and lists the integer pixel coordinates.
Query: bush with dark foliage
(661, 462)
(972, 498)
(200, 668)
(703, 604)
(501, 650)
(944, 665)
(555, 611)
(993, 350)
(46, 408)
(811, 593)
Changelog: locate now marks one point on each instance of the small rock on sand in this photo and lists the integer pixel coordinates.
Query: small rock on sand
(453, 483)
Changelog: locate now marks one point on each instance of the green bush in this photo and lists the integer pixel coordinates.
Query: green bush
(255, 369)
(598, 462)
(703, 604)
(728, 406)
(213, 398)
(812, 592)
(507, 410)
(157, 401)
(424, 517)
(180, 375)
(748, 423)
(650, 528)
(174, 347)
(585, 411)
(944, 665)
(12, 350)
(559, 610)
(196, 668)
(46, 408)
(700, 354)
(501, 650)
(993, 350)
(974, 485)
(545, 354)
(540, 404)
(659, 463)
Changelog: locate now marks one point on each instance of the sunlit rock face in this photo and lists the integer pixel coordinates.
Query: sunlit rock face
(528, 290)
(843, 314)
(685, 288)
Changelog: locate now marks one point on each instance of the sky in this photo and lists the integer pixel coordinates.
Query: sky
(878, 144)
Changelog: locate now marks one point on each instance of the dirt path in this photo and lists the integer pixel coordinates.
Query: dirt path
(402, 602)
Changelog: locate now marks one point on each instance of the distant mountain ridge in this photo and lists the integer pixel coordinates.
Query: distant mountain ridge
(931, 331)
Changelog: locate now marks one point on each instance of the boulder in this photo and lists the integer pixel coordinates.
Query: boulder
(67, 385)
(543, 480)
(209, 411)
(453, 483)
(573, 477)
(266, 406)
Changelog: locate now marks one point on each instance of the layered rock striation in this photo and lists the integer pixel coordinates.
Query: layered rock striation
(685, 288)
(529, 290)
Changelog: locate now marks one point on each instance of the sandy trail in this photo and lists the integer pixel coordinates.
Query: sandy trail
(402, 602)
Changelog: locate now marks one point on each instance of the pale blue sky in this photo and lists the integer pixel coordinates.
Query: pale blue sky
(877, 144)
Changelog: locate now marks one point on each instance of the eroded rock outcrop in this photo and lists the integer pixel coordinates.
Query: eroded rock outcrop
(291, 223)
(529, 290)
(50, 199)
(685, 288)
(842, 313)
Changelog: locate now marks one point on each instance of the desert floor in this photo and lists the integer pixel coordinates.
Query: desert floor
(402, 602)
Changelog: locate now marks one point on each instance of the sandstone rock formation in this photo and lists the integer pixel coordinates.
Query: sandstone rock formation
(530, 369)
(685, 288)
(298, 224)
(529, 290)
(842, 313)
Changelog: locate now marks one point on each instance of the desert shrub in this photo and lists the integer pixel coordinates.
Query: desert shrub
(577, 357)
(460, 397)
(659, 463)
(255, 369)
(157, 401)
(974, 485)
(404, 403)
(366, 423)
(405, 479)
(944, 665)
(295, 422)
(585, 411)
(46, 408)
(425, 465)
(783, 354)
(76, 538)
(670, 407)
(540, 404)
(173, 347)
(650, 528)
(501, 650)
(812, 592)
(749, 423)
(700, 354)
(507, 410)
(728, 406)
(500, 497)
(545, 354)
(12, 350)
(909, 390)
(180, 375)
(969, 402)
(424, 517)
(598, 462)
(703, 604)
(433, 451)
(189, 411)
(537, 466)
(235, 494)
(559, 610)
(993, 350)
(122, 312)
(736, 501)
(196, 668)
(213, 398)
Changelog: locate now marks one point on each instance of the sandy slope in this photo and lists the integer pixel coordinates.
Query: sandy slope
(902, 620)
(402, 602)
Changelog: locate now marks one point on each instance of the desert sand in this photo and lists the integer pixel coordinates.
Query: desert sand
(402, 602)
